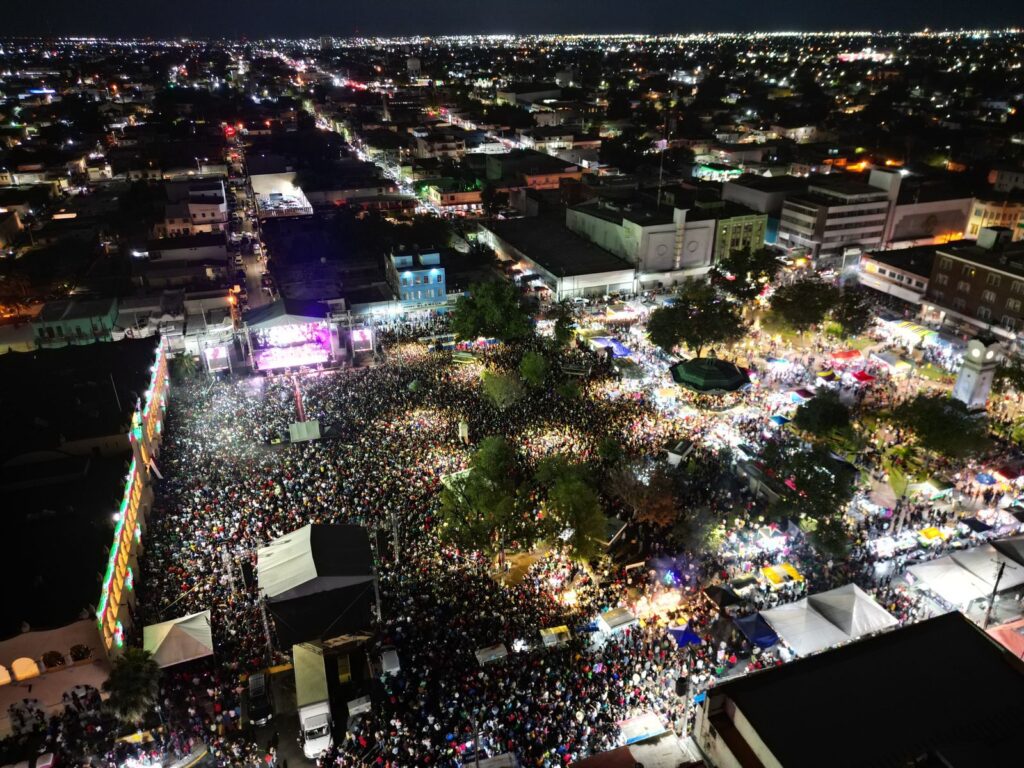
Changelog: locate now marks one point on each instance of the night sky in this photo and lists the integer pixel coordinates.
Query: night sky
(311, 18)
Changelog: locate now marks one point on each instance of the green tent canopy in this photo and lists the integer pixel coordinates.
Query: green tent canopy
(709, 375)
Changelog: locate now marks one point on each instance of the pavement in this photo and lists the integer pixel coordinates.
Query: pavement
(285, 724)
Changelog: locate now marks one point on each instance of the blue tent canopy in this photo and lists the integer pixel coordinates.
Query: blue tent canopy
(985, 479)
(684, 636)
(618, 348)
(756, 630)
(780, 420)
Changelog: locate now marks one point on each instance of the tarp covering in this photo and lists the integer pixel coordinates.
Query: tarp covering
(863, 377)
(852, 609)
(179, 640)
(1011, 636)
(950, 581)
(684, 636)
(984, 562)
(757, 630)
(318, 581)
(315, 558)
(827, 618)
(846, 354)
(310, 674)
(1012, 548)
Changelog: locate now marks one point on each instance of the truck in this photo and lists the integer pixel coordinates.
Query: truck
(312, 699)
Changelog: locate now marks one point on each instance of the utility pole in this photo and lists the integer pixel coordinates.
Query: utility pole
(992, 597)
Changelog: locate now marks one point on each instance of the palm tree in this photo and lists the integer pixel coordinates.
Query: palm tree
(133, 685)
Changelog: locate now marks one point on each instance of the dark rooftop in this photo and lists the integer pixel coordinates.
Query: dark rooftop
(74, 309)
(59, 527)
(552, 245)
(638, 212)
(939, 689)
(770, 183)
(72, 392)
(917, 260)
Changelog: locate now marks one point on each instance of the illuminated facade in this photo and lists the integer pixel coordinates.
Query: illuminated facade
(122, 564)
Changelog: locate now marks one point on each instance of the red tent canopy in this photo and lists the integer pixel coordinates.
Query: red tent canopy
(1010, 636)
(846, 354)
(863, 377)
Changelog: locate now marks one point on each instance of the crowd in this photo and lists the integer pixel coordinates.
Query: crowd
(231, 483)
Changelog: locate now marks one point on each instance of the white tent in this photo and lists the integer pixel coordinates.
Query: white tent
(984, 561)
(852, 610)
(803, 629)
(314, 558)
(179, 640)
(827, 618)
(950, 581)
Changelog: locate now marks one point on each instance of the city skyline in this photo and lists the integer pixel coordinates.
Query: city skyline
(306, 18)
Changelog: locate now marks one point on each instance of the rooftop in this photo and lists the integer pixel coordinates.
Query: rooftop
(940, 689)
(72, 392)
(917, 260)
(74, 309)
(60, 525)
(636, 211)
(770, 183)
(552, 245)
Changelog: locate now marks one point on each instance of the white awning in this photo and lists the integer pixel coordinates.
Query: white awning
(803, 629)
(179, 640)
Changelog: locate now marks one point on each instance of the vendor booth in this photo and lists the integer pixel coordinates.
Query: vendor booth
(616, 620)
(778, 575)
(756, 630)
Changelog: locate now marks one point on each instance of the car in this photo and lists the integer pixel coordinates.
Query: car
(261, 702)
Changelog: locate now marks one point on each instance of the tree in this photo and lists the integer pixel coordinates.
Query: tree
(852, 313)
(572, 508)
(744, 274)
(814, 487)
(502, 389)
(822, 414)
(491, 310)
(699, 318)
(533, 368)
(489, 199)
(478, 508)
(133, 685)
(648, 495)
(1009, 376)
(564, 314)
(942, 424)
(804, 303)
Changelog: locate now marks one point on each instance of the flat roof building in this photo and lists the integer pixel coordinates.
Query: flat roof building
(936, 693)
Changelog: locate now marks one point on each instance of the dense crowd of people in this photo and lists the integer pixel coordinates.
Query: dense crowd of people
(230, 483)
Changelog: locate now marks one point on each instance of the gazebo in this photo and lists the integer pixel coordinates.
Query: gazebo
(709, 375)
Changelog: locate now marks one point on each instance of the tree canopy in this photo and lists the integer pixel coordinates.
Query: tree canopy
(744, 274)
(699, 318)
(133, 685)
(572, 508)
(804, 303)
(649, 494)
(822, 414)
(533, 368)
(502, 389)
(491, 310)
(814, 487)
(564, 315)
(852, 312)
(478, 508)
(942, 424)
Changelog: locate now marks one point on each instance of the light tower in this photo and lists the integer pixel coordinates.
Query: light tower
(974, 381)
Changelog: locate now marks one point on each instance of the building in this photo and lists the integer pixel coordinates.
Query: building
(418, 280)
(211, 246)
(840, 708)
(903, 273)
(10, 228)
(193, 206)
(527, 168)
(549, 256)
(737, 228)
(997, 211)
(765, 194)
(527, 93)
(74, 321)
(835, 220)
(439, 144)
(796, 132)
(1006, 179)
(452, 195)
(80, 438)
(978, 285)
